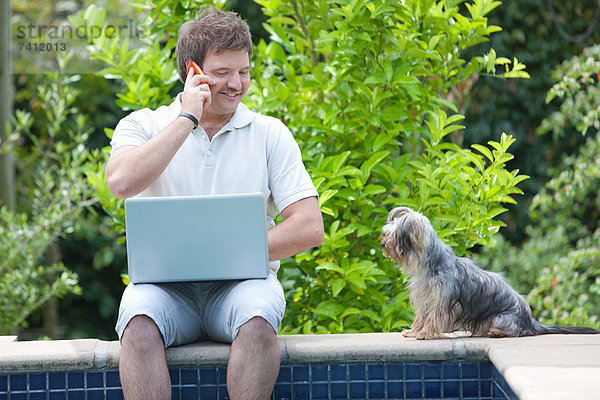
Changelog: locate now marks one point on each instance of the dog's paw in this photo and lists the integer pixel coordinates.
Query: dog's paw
(409, 333)
(422, 335)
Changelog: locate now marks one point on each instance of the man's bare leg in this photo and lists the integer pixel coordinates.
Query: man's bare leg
(143, 365)
(253, 362)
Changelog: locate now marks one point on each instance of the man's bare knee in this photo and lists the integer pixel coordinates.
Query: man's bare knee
(142, 330)
(257, 328)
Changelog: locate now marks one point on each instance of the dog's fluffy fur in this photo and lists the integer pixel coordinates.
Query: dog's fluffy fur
(451, 293)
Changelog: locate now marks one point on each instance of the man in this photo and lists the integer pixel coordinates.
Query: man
(231, 150)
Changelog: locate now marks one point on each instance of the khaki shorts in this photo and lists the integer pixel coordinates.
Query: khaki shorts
(187, 312)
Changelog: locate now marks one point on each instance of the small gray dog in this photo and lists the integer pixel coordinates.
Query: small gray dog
(451, 293)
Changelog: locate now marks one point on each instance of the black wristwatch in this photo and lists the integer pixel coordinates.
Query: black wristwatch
(191, 117)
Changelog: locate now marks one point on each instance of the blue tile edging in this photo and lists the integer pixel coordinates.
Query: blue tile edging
(352, 380)
(500, 389)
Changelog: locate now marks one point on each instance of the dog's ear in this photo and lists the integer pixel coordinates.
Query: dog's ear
(397, 213)
(412, 234)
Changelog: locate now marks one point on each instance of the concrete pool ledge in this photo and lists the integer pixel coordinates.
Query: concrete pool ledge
(549, 367)
(541, 367)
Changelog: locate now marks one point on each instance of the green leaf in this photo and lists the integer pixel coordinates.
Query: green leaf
(484, 150)
(94, 19)
(368, 165)
(337, 286)
(329, 266)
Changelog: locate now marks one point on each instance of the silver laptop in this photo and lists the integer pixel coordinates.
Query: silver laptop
(196, 238)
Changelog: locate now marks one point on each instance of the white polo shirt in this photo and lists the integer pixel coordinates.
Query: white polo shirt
(251, 153)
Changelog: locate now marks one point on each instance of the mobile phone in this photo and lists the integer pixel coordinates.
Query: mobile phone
(197, 70)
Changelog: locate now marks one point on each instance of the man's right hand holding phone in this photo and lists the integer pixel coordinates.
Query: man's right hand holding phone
(196, 91)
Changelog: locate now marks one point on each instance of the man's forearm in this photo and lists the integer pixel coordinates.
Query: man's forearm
(301, 229)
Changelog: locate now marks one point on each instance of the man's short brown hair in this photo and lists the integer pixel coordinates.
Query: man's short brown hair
(214, 31)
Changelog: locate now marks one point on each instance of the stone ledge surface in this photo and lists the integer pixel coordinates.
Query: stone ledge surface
(367, 347)
(541, 367)
(550, 367)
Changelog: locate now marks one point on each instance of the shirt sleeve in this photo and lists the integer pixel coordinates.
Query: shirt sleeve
(288, 179)
(133, 130)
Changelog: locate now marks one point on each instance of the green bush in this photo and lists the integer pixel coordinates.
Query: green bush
(52, 193)
(558, 264)
(364, 90)
(567, 290)
(540, 34)
(576, 84)
(364, 87)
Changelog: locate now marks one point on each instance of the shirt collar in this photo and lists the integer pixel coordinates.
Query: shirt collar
(242, 117)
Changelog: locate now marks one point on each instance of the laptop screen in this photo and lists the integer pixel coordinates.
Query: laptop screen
(196, 238)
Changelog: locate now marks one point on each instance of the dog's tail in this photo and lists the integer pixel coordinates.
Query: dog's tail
(565, 330)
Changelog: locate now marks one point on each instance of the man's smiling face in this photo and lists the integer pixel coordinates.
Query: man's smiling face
(230, 71)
